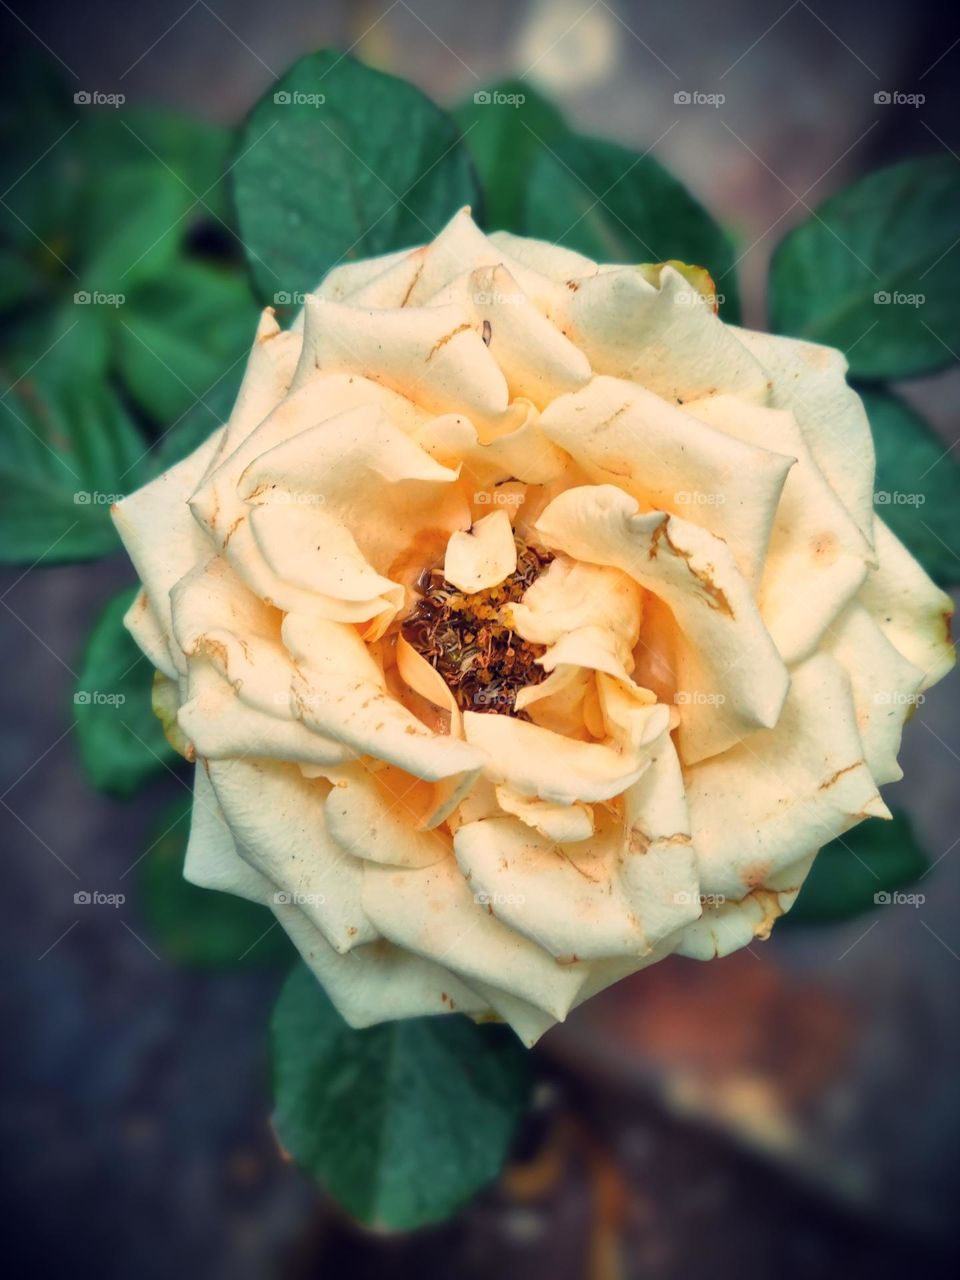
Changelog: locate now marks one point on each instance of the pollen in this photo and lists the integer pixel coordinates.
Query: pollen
(466, 638)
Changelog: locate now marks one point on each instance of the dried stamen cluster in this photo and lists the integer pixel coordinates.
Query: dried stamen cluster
(464, 637)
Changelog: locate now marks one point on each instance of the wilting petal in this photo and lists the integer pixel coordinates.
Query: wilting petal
(810, 380)
(380, 816)
(340, 691)
(671, 460)
(434, 913)
(161, 537)
(816, 561)
(885, 688)
(562, 823)
(278, 822)
(482, 556)
(536, 762)
(781, 795)
(911, 610)
(728, 667)
(667, 339)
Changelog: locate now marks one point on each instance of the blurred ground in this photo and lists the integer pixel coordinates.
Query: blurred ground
(791, 1111)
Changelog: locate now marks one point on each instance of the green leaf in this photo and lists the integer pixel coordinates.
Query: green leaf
(190, 430)
(68, 449)
(179, 334)
(119, 738)
(402, 1122)
(609, 203)
(375, 166)
(197, 152)
(876, 857)
(504, 128)
(876, 271)
(917, 484)
(200, 927)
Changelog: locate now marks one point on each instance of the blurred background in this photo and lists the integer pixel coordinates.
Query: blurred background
(790, 1111)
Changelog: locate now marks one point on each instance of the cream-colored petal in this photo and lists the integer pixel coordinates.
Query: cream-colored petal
(144, 626)
(523, 453)
(572, 900)
(377, 982)
(432, 355)
(550, 260)
(885, 688)
(211, 860)
(220, 726)
(538, 362)
(726, 926)
(313, 549)
(561, 823)
(160, 536)
(911, 610)
(667, 339)
(428, 683)
(266, 380)
(277, 818)
(672, 460)
(786, 791)
(482, 556)
(536, 762)
(380, 816)
(817, 557)
(340, 691)
(727, 666)
(434, 913)
(810, 380)
(571, 595)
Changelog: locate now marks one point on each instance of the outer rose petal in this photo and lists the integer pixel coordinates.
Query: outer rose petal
(810, 380)
(785, 792)
(161, 537)
(911, 610)
(278, 823)
(433, 912)
(381, 816)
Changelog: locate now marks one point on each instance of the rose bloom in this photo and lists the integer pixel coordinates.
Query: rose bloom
(527, 624)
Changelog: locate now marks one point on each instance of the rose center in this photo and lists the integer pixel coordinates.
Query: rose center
(482, 660)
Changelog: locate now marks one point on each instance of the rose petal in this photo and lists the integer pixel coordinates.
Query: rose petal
(482, 556)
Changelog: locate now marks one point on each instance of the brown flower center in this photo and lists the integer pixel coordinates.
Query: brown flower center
(482, 660)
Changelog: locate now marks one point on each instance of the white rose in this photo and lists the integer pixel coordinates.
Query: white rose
(527, 624)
